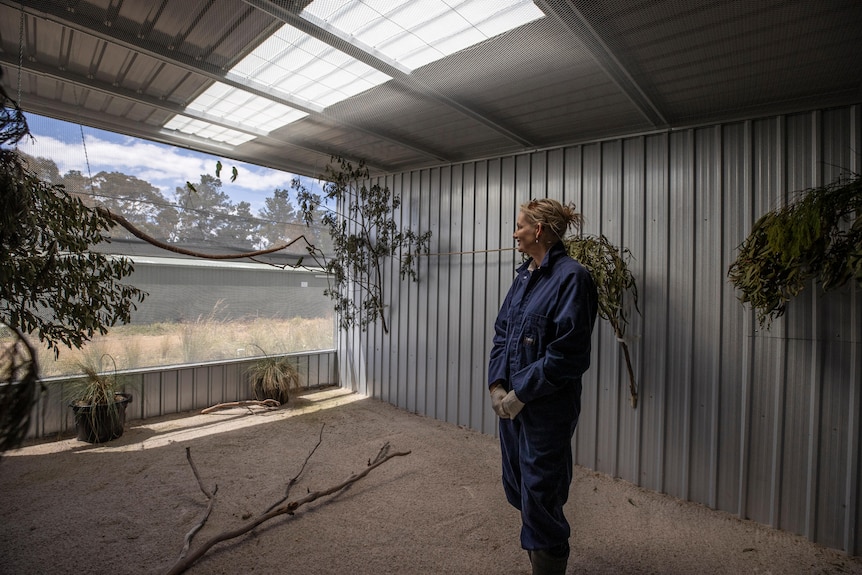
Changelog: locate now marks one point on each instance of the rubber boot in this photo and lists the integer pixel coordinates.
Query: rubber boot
(544, 563)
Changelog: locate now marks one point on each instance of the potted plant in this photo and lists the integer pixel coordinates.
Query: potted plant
(98, 401)
(272, 377)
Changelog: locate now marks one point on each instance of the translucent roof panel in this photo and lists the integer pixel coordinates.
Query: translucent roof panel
(291, 65)
(203, 129)
(288, 64)
(223, 102)
(237, 106)
(416, 32)
(297, 65)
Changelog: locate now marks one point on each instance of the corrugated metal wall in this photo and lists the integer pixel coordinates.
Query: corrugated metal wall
(762, 424)
(175, 389)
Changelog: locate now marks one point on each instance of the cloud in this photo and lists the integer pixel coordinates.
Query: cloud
(132, 157)
(163, 166)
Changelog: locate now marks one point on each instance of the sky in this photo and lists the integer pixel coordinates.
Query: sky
(165, 167)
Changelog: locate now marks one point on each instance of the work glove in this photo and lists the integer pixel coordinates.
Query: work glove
(498, 393)
(512, 405)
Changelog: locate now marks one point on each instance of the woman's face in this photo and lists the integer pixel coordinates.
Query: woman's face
(526, 234)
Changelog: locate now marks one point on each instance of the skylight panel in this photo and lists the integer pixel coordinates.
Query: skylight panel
(303, 67)
(416, 32)
(228, 104)
(519, 13)
(309, 74)
(383, 30)
(319, 69)
(416, 12)
(290, 65)
(234, 105)
(202, 129)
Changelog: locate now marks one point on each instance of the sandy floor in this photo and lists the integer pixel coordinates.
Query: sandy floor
(125, 507)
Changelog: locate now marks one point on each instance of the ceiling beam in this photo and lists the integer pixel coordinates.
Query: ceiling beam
(41, 105)
(571, 18)
(87, 83)
(63, 75)
(368, 55)
(47, 108)
(52, 11)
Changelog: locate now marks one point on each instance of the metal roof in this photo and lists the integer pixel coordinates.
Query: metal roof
(587, 70)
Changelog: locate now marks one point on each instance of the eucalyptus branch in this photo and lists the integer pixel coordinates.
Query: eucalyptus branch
(363, 233)
(183, 251)
(295, 478)
(211, 497)
(609, 270)
(266, 403)
(58, 287)
(290, 508)
(324, 208)
(817, 236)
(378, 292)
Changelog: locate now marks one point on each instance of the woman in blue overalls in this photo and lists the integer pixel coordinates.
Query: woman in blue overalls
(541, 348)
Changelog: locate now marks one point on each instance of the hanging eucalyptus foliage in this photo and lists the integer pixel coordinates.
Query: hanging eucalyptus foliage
(363, 234)
(817, 236)
(614, 281)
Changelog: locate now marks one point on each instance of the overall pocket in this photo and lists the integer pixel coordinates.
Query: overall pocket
(533, 338)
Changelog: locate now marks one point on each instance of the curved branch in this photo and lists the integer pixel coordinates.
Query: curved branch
(294, 479)
(285, 509)
(178, 250)
(268, 403)
(633, 388)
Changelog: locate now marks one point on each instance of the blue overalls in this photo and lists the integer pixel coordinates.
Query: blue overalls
(541, 348)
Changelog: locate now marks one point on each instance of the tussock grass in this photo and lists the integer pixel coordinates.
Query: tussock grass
(204, 339)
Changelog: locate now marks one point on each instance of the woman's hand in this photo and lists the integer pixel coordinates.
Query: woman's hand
(498, 394)
(512, 405)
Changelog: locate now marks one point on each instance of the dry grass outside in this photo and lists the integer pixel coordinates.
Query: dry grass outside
(137, 346)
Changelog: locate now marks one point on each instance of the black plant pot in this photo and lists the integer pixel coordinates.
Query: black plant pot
(101, 423)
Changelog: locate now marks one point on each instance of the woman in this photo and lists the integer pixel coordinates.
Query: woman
(541, 348)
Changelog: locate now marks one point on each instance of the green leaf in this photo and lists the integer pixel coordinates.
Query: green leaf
(363, 234)
(58, 287)
(808, 239)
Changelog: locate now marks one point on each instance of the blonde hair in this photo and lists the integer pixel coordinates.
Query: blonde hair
(555, 217)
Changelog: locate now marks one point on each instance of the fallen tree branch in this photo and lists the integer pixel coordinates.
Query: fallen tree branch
(286, 509)
(271, 403)
(187, 541)
(197, 475)
(296, 477)
(211, 496)
(384, 451)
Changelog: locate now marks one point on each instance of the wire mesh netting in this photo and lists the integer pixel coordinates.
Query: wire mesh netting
(197, 309)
